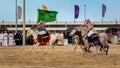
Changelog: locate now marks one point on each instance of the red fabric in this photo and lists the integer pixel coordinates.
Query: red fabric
(87, 20)
(35, 42)
(41, 22)
(44, 41)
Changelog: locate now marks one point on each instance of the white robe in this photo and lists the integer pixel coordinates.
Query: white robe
(90, 33)
(5, 39)
(1, 39)
(11, 39)
(42, 32)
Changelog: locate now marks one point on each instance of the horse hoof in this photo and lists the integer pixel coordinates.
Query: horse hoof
(100, 49)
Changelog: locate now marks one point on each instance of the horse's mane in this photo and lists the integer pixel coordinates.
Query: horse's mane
(33, 27)
(84, 30)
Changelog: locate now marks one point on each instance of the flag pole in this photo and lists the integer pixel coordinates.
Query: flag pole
(74, 15)
(85, 11)
(74, 20)
(102, 19)
(16, 17)
(116, 21)
(24, 22)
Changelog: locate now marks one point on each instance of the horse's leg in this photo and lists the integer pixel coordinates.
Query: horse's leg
(88, 47)
(34, 46)
(106, 48)
(84, 48)
(51, 44)
(75, 47)
(97, 49)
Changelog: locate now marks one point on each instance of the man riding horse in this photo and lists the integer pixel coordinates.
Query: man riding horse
(89, 36)
(92, 35)
(41, 28)
(42, 33)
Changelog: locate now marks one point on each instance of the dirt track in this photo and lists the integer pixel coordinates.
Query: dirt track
(59, 57)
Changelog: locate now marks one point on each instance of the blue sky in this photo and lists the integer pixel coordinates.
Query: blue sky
(65, 9)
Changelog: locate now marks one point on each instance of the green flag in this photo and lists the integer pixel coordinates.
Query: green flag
(46, 16)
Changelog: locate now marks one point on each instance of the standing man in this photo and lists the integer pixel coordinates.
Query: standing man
(5, 38)
(65, 38)
(118, 35)
(11, 39)
(1, 38)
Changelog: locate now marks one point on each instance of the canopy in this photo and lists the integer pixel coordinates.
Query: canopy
(113, 29)
(69, 29)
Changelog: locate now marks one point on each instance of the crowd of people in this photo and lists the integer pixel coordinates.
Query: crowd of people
(6, 39)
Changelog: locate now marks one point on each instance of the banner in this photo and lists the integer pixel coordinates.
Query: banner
(103, 10)
(19, 12)
(46, 16)
(76, 8)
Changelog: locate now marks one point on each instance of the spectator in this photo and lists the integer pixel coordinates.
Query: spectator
(65, 38)
(5, 38)
(73, 40)
(11, 39)
(118, 35)
(18, 38)
(1, 38)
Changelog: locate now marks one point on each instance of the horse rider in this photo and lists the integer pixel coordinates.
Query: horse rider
(41, 28)
(92, 33)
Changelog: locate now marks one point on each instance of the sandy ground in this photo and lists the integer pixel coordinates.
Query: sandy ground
(59, 57)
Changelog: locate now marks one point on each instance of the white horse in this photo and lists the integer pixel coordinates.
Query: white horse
(53, 37)
(34, 34)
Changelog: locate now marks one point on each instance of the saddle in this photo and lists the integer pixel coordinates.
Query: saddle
(42, 36)
(93, 38)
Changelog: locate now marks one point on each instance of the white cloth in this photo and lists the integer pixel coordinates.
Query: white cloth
(11, 36)
(5, 39)
(42, 32)
(65, 41)
(90, 33)
(1, 39)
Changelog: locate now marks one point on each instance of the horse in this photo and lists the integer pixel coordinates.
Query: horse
(78, 33)
(50, 40)
(82, 32)
(43, 40)
(53, 39)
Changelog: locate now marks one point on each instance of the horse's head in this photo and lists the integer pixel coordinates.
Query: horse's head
(29, 33)
(73, 32)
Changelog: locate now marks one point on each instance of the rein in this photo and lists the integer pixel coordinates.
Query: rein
(35, 33)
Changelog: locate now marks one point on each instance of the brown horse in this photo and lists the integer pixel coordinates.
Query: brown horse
(82, 32)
